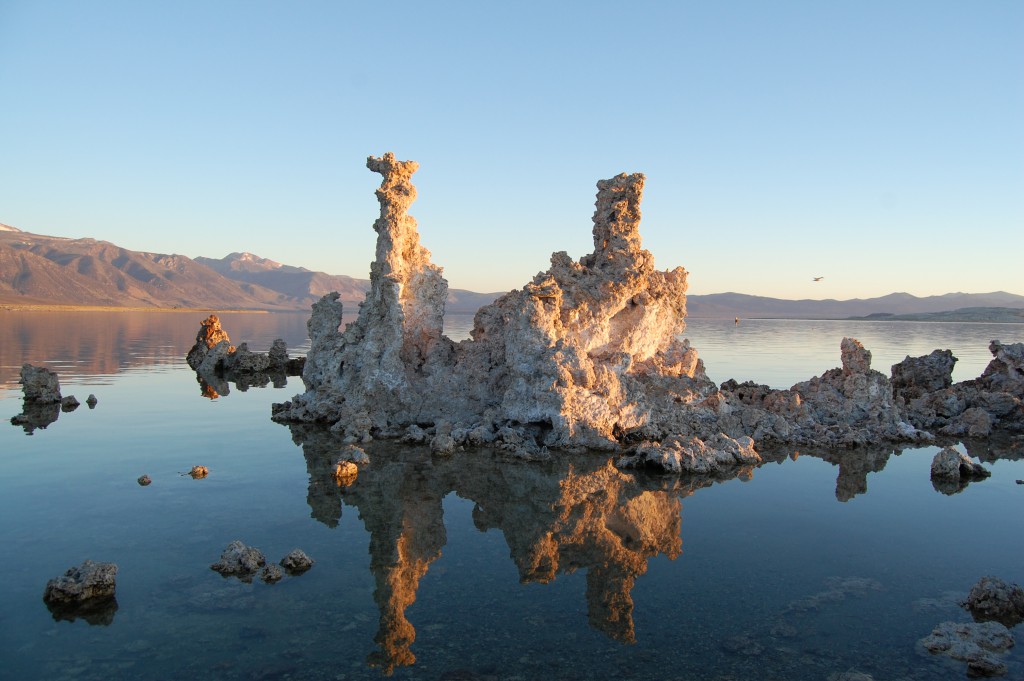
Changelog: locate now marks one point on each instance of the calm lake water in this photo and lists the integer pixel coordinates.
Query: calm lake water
(473, 567)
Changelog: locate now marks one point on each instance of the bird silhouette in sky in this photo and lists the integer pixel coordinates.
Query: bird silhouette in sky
(818, 278)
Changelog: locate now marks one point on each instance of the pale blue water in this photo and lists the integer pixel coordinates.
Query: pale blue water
(482, 568)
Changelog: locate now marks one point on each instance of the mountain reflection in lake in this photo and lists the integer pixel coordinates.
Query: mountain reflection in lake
(475, 566)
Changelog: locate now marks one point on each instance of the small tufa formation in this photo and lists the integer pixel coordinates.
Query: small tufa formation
(952, 470)
(144, 481)
(85, 591)
(198, 472)
(239, 560)
(39, 384)
(210, 336)
(297, 562)
(42, 401)
(993, 600)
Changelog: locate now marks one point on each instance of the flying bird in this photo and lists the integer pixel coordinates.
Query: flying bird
(818, 278)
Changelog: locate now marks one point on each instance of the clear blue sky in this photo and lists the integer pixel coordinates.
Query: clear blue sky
(877, 143)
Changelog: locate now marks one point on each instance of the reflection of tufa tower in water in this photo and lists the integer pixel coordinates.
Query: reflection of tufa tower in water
(577, 513)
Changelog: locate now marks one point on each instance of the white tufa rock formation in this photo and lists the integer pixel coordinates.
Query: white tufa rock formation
(587, 354)
(590, 354)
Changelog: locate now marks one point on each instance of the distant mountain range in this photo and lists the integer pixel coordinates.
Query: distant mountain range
(728, 305)
(46, 270)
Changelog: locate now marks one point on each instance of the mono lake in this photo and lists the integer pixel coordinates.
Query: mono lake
(475, 567)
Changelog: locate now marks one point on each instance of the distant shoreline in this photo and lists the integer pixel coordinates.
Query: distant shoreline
(15, 307)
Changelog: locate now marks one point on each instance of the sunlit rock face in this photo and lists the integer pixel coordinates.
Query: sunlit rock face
(587, 354)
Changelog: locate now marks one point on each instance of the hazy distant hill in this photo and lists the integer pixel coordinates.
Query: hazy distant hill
(37, 269)
(308, 286)
(964, 314)
(728, 305)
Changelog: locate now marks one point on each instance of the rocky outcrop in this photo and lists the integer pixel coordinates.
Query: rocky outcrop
(849, 406)
(993, 600)
(86, 591)
(591, 354)
(217, 362)
(925, 390)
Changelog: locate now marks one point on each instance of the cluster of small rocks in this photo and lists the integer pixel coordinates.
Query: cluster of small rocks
(244, 562)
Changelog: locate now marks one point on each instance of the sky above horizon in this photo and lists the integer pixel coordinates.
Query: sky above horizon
(879, 145)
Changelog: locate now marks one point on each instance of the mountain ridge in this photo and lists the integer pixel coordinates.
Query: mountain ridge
(40, 270)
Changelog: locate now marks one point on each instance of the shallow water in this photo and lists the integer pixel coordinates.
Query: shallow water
(475, 567)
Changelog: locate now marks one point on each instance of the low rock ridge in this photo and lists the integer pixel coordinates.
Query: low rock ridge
(591, 354)
(218, 363)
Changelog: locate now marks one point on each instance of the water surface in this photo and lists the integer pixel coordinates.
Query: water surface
(474, 566)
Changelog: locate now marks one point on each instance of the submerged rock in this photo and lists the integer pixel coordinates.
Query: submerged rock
(91, 401)
(86, 591)
(145, 480)
(240, 561)
(992, 599)
(979, 645)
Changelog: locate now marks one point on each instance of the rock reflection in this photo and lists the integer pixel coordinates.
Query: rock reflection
(557, 517)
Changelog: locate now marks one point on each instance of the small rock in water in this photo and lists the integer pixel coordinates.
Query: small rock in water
(297, 562)
(91, 401)
(69, 403)
(199, 472)
(992, 599)
(145, 480)
(240, 561)
(271, 574)
(345, 473)
(86, 591)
